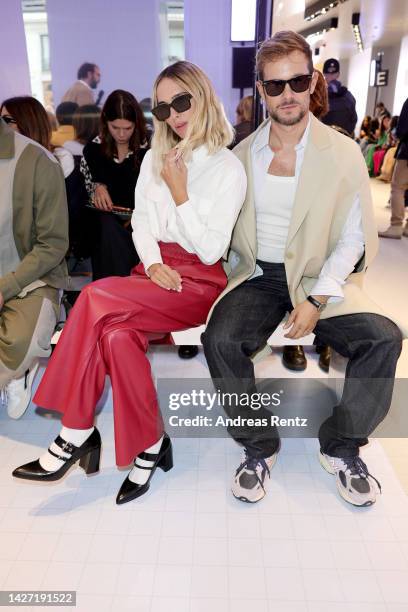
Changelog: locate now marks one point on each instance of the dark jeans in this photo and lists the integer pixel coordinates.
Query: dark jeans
(242, 323)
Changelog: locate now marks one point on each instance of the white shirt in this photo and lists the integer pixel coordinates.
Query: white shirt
(74, 147)
(216, 187)
(273, 207)
(350, 247)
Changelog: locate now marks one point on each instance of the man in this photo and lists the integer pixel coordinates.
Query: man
(399, 181)
(302, 242)
(65, 131)
(33, 243)
(81, 92)
(342, 104)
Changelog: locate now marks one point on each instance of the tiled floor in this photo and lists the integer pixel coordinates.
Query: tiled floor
(188, 545)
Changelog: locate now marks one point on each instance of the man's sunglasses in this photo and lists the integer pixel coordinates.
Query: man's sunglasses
(298, 84)
(180, 104)
(8, 119)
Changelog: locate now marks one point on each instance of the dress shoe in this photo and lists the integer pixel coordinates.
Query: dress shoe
(324, 352)
(88, 455)
(187, 351)
(294, 357)
(163, 459)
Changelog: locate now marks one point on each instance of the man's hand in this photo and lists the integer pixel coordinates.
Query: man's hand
(303, 320)
(102, 199)
(174, 174)
(165, 277)
(1, 301)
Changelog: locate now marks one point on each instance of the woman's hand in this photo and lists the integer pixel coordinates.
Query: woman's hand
(165, 277)
(102, 199)
(174, 174)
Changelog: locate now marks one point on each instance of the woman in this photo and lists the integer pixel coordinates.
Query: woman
(187, 199)
(86, 125)
(111, 165)
(27, 116)
(243, 127)
(365, 127)
(381, 140)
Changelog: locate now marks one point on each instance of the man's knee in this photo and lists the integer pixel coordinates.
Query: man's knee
(386, 333)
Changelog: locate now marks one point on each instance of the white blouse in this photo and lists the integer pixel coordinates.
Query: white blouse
(216, 187)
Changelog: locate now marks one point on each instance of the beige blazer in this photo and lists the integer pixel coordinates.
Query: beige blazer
(333, 172)
(79, 93)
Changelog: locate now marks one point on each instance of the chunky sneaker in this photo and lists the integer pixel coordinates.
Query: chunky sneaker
(17, 394)
(249, 480)
(354, 482)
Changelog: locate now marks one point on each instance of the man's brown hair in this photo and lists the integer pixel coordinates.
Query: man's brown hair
(280, 45)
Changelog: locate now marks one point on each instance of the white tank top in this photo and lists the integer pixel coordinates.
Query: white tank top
(273, 213)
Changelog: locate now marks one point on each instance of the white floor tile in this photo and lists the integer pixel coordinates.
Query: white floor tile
(322, 585)
(210, 551)
(284, 584)
(209, 581)
(174, 579)
(246, 582)
(135, 580)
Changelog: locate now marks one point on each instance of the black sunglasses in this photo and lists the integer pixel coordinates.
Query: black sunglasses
(8, 119)
(180, 104)
(298, 84)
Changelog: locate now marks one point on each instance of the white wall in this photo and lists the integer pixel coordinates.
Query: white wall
(15, 75)
(358, 79)
(122, 37)
(401, 86)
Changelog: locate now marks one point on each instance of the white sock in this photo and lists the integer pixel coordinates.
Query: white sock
(140, 476)
(74, 436)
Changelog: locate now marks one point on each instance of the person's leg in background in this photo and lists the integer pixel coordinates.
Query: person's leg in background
(26, 327)
(373, 344)
(399, 184)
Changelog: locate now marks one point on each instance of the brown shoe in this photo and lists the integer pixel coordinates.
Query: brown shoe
(294, 358)
(324, 353)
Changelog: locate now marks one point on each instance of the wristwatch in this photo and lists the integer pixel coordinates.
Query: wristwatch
(319, 305)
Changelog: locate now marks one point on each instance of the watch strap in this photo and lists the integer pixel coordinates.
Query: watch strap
(316, 303)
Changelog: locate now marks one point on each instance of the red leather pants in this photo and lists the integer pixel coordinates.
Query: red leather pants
(108, 333)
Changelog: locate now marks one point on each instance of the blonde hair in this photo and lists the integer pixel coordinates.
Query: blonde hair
(244, 108)
(208, 126)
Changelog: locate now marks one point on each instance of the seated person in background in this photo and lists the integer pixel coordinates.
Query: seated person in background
(110, 165)
(371, 135)
(388, 163)
(81, 219)
(187, 200)
(381, 136)
(365, 127)
(65, 131)
(244, 126)
(34, 240)
(27, 116)
(85, 122)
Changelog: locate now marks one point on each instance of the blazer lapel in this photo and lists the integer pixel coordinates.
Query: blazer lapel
(315, 162)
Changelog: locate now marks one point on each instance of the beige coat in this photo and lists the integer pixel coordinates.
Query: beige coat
(79, 93)
(333, 172)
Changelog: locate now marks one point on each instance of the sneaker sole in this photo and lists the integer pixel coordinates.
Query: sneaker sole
(254, 501)
(326, 466)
